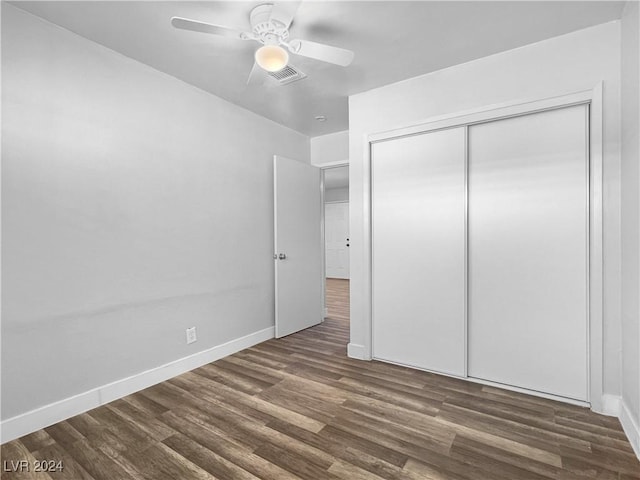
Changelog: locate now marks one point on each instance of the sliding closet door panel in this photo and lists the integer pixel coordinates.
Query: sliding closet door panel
(418, 221)
(528, 234)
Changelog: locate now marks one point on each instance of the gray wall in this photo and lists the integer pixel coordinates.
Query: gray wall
(630, 216)
(133, 206)
(336, 194)
(330, 149)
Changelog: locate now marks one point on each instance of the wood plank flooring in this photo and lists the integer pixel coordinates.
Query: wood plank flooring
(298, 408)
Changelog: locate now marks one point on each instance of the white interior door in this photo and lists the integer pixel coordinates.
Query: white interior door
(418, 232)
(299, 280)
(336, 238)
(528, 246)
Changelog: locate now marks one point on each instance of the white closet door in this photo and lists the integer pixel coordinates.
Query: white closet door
(528, 234)
(418, 222)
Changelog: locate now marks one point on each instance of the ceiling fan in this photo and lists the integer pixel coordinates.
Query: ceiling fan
(270, 27)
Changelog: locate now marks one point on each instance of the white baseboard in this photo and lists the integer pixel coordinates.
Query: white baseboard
(356, 351)
(630, 427)
(42, 417)
(610, 405)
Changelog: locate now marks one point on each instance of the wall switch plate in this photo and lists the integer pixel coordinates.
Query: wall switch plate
(326, 312)
(191, 335)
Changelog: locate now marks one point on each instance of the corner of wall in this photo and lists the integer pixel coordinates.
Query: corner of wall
(356, 351)
(610, 405)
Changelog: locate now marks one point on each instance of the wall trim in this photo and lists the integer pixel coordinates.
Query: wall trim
(610, 405)
(356, 351)
(47, 415)
(630, 427)
(488, 113)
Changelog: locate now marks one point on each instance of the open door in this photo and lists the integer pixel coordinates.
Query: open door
(298, 245)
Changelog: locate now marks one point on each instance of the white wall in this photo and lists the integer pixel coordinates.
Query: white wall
(336, 195)
(133, 206)
(570, 63)
(631, 224)
(330, 149)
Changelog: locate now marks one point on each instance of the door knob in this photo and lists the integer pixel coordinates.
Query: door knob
(282, 256)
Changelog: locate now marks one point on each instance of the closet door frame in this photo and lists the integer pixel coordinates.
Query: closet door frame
(592, 98)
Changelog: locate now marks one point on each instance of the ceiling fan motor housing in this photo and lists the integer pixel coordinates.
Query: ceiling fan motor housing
(268, 31)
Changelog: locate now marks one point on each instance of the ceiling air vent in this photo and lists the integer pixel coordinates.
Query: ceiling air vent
(287, 75)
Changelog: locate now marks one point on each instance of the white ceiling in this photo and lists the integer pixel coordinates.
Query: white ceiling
(337, 177)
(392, 41)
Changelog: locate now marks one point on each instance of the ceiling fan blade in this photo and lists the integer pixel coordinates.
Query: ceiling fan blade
(284, 11)
(320, 51)
(202, 27)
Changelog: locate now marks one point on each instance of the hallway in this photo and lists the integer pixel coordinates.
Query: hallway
(337, 292)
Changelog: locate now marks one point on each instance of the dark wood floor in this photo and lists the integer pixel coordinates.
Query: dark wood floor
(299, 408)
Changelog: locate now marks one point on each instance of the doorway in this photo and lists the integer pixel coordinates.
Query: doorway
(336, 242)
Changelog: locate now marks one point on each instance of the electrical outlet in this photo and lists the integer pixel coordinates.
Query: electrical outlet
(191, 335)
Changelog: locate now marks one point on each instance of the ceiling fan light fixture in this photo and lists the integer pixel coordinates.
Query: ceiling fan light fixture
(272, 58)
